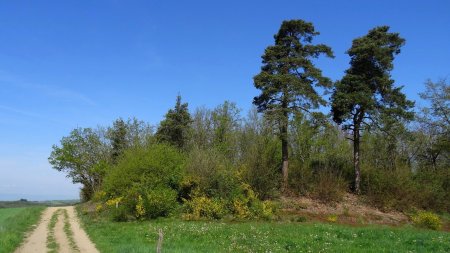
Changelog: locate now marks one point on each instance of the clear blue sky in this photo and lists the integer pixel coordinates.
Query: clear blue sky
(67, 64)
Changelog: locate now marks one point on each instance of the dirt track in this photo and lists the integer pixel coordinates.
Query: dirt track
(37, 240)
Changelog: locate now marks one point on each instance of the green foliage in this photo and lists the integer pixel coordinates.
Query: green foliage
(79, 155)
(328, 187)
(433, 134)
(213, 172)
(427, 220)
(147, 178)
(14, 223)
(160, 202)
(433, 190)
(204, 208)
(288, 75)
(288, 78)
(246, 205)
(174, 129)
(402, 189)
(321, 163)
(120, 214)
(366, 92)
(371, 61)
(389, 189)
(118, 135)
(260, 155)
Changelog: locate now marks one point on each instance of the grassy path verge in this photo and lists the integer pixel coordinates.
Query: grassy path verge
(52, 245)
(14, 223)
(69, 233)
(202, 236)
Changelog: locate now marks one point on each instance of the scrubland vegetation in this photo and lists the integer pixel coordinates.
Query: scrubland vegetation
(225, 164)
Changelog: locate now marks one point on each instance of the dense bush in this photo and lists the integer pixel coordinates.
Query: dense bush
(204, 208)
(213, 173)
(261, 156)
(403, 189)
(433, 190)
(243, 205)
(146, 180)
(427, 220)
(329, 187)
(389, 189)
(160, 202)
(323, 184)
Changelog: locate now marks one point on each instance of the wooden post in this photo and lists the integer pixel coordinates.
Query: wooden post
(160, 241)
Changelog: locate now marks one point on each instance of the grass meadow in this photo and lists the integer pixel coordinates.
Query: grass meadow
(217, 236)
(14, 223)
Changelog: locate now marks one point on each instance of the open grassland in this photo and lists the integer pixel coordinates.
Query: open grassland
(14, 223)
(203, 236)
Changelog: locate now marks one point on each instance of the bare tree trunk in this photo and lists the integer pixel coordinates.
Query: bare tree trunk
(285, 152)
(356, 159)
(285, 165)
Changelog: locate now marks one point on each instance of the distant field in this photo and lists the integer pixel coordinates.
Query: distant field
(182, 236)
(14, 223)
(11, 204)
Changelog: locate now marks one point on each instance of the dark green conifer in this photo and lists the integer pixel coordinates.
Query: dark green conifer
(366, 93)
(288, 78)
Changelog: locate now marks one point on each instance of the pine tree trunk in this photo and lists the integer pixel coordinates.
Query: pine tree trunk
(284, 152)
(285, 160)
(356, 159)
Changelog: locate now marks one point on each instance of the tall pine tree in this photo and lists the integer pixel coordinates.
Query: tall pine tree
(367, 90)
(288, 79)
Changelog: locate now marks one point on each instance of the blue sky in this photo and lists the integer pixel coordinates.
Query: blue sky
(68, 64)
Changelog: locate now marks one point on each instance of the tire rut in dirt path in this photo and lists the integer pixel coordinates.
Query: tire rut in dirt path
(61, 237)
(74, 241)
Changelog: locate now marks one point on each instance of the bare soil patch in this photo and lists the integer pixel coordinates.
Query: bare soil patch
(351, 210)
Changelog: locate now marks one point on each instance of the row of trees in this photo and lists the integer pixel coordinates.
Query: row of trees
(221, 152)
(289, 83)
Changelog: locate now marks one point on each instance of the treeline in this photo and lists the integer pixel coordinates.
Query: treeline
(216, 162)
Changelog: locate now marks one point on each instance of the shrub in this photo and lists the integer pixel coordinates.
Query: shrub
(204, 207)
(328, 187)
(240, 209)
(269, 209)
(262, 157)
(427, 220)
(144, 182)
(160, 202)
(301, 219)
(434, 190)
(214, 174)
(140, 209)
(389, 189)
(120, 213)
(332, 218)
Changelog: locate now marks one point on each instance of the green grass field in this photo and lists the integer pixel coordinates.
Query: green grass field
(184, 236)
(14, 223)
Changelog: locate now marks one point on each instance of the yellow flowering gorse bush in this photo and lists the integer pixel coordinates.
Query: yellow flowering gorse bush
(140, 209)
(427, 220)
